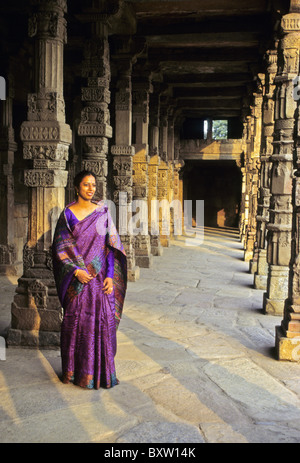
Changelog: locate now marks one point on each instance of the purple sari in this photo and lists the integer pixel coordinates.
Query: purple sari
(91, 318)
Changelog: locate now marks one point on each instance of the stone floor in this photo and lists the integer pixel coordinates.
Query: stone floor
(195, 360)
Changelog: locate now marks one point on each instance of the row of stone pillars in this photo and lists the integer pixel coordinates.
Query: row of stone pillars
(140, 156)
(270, 204)
(140, 168)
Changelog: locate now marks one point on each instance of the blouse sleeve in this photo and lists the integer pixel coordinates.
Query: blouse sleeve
(71, 218)
(110, 264)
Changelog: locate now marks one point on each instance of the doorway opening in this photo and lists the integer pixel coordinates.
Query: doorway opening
(218, 184)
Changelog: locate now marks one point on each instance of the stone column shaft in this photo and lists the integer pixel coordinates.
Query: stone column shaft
(170, 154)
(154, 140)
(171, 138)
(163, 133)
(141, 90)
(244, 215)
(94, 127)
(244, 210)
(8, 148)
(261, 271)
(156, 247)
(154, 109)
(288, 334)
(163, 176)
(178, 224)
(281, 208)
(164, 209)
(123, 152)
(253, 169)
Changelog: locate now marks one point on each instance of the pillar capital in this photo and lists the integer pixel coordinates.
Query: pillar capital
(289, 46)
(290, 23)
(47, 20)
(98, 14)
(126, 46)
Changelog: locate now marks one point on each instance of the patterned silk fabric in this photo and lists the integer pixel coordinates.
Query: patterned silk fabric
(91, 318)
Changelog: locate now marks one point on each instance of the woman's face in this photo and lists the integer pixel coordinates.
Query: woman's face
(87, 187)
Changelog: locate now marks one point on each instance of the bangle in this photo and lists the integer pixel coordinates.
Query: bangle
(76, 273)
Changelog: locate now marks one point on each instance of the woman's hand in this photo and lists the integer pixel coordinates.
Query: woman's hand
(108, 285)
(83, 276)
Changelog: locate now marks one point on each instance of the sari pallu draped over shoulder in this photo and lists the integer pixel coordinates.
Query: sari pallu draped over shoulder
(91, 318)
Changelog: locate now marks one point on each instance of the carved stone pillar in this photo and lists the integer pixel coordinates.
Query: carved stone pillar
(163, 131)
(163, 177)
(177, 192)
(171, 135)
(156, 247)
(254, 167)
(243, 210)
(281, 208)
(181, 195)
(170, 153)
(36, 311)
(94, 126)
(288, 334)
(171, 195)
(164, 209)
(123, 151)
(154, 111)
(261, 272)
(245, 179)
(8, 147)
(140, 106)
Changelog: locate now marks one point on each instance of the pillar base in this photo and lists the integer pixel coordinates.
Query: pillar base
(11, 269)
(133, 274)
(273, 306)
(33, 339)
(277, 290)
(144, 261)
(253, 266)
(9, 264)
(248, 255)
(165, 241)
(287, 348)
(156, 247)
(157, 250)
(260, 281)
(261, 274)
(36, 312)
(142, 251)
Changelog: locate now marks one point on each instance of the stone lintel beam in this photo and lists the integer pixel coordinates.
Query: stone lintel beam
(194, 54)
(215, 92)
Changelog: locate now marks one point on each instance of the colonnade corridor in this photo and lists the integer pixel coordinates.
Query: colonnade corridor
(196, 362)
(163, 102)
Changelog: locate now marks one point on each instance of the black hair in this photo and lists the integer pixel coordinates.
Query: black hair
(80, 176)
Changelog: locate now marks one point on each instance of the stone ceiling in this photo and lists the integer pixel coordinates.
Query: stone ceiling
(205, 53)
(208, 52)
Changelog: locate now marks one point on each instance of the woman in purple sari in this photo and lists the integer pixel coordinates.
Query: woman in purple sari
(89, 264)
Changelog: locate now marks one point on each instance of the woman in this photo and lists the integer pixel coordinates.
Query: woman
(89, 265)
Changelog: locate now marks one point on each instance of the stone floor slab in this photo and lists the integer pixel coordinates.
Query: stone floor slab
(195, 361)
